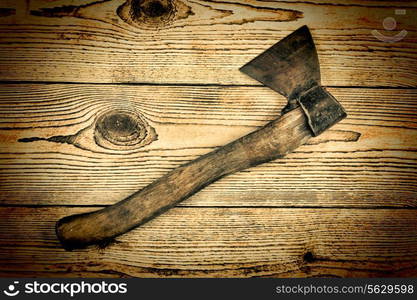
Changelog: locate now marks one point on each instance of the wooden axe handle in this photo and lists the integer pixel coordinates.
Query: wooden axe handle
(272, 141)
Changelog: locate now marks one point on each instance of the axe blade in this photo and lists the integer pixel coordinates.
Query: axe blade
(291, 67)
(288, 67)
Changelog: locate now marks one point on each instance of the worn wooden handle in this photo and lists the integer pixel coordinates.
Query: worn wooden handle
(272, 141)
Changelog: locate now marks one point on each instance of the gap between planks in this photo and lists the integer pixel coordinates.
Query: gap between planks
(187, 84)
(185, 206)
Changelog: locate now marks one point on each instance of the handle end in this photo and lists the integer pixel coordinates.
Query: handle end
(69, 233)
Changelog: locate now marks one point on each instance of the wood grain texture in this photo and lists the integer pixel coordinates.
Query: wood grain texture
(341, 206)
(373, 150)
(220, 242)
(199, 41)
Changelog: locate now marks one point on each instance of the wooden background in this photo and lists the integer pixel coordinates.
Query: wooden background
(342, 206)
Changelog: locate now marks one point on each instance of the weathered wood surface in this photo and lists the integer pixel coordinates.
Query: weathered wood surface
(373, 150)
(343, 205)
(184, 41)
(224, 242)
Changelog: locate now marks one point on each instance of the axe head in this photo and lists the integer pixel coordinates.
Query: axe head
(291, 67)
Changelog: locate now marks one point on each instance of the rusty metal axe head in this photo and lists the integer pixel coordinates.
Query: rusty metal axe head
(291, 67)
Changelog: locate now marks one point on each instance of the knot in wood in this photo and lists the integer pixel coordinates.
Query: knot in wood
(123, 129)
(309, 257)
(152, 9)
(153, 14)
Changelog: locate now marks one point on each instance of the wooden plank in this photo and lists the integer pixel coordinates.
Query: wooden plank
(369, 159)
(225, 242)
(200, 41)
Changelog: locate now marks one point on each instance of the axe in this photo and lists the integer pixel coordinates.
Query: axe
(291, 68)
